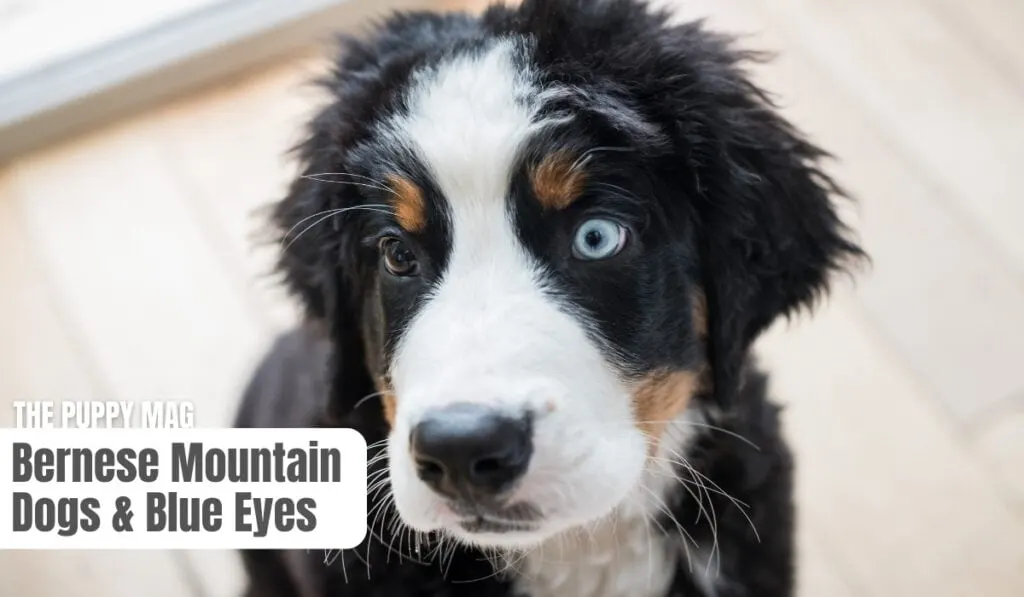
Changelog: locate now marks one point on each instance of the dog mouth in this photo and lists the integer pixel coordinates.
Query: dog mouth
(482, 518)
(481, 524)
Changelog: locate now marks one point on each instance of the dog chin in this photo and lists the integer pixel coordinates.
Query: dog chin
(525, 537)
(508, 540)
(520, 536)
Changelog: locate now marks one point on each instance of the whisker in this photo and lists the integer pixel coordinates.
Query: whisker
(723, 430)
(372, 184)
(378, 512)
(681, 421)
(701, 481)
(355, 552)
(367, 397)
(326, 214)
(667, 512)
(337, 210)
(377, 444)
(741, 505)
(376, 475)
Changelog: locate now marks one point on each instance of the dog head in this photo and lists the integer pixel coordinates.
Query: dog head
(542, 233)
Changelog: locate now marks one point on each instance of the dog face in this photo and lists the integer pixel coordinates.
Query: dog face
(522, 236)
(531, 304)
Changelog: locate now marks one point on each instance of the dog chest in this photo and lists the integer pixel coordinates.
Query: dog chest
(616, 559)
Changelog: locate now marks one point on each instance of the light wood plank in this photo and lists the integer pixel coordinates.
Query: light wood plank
(218, 572)
(41, 360)
(149, 297)
(994, 28)
(908, 510)
(934, 287)
(249, 126)
(944, 103)
(817, 572)
(38, 358)
(92, 574)
(1001, 442)
(143, 288)
(931, 273)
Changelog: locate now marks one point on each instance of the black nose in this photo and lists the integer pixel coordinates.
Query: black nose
(469, 448)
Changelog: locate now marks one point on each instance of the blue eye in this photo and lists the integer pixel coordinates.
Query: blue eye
(598, 238)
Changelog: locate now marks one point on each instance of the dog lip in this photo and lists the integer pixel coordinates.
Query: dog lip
(514, 514)
(482, 524)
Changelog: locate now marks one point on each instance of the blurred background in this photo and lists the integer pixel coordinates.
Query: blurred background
(137, 138)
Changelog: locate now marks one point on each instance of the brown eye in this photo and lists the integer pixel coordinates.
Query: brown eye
(399, 260)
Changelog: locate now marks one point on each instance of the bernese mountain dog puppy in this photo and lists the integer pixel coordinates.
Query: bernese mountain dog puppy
(535, 247)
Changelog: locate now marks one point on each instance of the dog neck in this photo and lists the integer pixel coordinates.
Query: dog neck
(632, 553)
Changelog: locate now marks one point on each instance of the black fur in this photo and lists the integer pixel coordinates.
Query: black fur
(729, 201)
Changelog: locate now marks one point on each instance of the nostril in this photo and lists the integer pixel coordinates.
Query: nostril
(430, 471)
(488, 466)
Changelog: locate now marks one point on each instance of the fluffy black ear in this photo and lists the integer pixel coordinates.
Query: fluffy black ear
(320, 268)
(308, 238)
(319, 249)
(308, 224)
(770, 232)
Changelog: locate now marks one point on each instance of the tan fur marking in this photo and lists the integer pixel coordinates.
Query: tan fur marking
(660, 398)
(410, 208)
(556, 183)
(388, 400)
(700, 313)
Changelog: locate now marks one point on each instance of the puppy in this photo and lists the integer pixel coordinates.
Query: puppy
(535, 247)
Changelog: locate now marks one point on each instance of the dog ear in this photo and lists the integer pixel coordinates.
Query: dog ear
(770, 233)
(318, 258)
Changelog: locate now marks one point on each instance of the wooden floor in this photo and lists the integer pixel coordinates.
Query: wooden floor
(126, 272)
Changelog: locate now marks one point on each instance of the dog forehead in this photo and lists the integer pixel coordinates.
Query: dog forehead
(467, 119)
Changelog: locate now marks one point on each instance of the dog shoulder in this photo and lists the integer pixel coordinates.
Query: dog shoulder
(289, 385)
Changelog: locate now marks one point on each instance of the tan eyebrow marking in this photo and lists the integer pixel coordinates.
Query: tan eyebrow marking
(557, 181)
(410, 207)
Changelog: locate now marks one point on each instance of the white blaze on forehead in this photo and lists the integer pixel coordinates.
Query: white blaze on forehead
(468, 117)
(467, 120)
